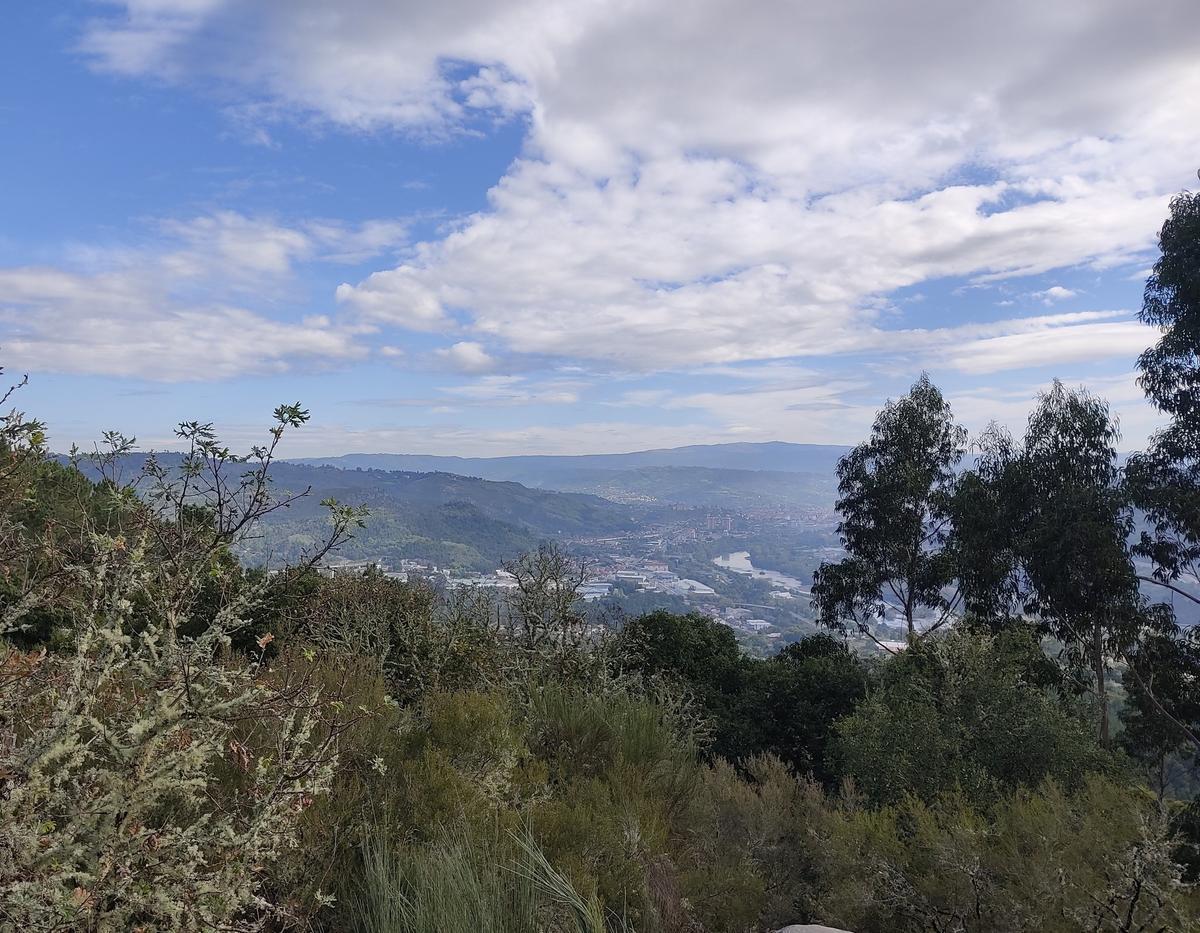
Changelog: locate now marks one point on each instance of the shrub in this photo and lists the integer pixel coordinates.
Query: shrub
(967, 710)
(1040, 860)
(113, 814)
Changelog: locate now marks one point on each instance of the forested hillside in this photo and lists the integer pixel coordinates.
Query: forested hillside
(456, 521)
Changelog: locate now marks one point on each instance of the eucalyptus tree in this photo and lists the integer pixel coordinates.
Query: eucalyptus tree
(894, 495)
(1165, 479)
(1074, 523)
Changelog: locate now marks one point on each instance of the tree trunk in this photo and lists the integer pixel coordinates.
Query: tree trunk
(1100, 669)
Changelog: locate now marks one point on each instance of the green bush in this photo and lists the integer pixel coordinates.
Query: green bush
(1038, 860)
(967, 710)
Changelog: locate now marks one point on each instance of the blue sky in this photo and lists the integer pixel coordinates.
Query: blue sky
(530, 227)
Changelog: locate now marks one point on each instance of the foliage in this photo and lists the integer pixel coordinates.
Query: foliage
(1165, 479)
(805, 690)
(112, 750)
(455, 884)
(894, 498)
(1042, 531)
(1040, 859)
(1075, 530)
(621, 769)
(544, 605)
(1162, 707)
(785, 705)
(986, 515)
(968, 711)
(752, 852)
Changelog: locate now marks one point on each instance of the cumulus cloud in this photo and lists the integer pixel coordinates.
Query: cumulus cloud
(238, 245)
(121, 325)
(737, 184)
(1054, 293)
(467, 356)
(173, 310)
(359, 64)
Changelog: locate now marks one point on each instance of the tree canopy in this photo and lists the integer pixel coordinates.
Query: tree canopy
(894, 498)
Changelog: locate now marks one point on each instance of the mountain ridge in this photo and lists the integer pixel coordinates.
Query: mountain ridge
(536, 469)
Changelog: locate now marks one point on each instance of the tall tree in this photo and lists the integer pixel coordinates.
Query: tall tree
(1165, 480)
(894, 497)
(1074, 528)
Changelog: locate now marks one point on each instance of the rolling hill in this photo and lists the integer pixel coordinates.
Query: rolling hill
(541, 470)
(725, 475)
(456, 521)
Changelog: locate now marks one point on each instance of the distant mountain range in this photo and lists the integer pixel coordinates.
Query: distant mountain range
(720, 475)
(475, 512)
(701, 486)
(775, 456)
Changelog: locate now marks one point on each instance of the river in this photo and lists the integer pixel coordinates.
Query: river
(739, 562)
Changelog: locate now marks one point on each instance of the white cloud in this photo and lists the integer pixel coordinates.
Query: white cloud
(467, 356)
(1054, 294)
(1053, 347)
(397, 298)
(172, 310)
(744, 183)
(145, 36)
(516, 390)
(1012, 405)
(56, 321)
(815, 410)
(232, 246)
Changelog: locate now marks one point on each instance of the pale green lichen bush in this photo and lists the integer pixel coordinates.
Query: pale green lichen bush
(127, 798)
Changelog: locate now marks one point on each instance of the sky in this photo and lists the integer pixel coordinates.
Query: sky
(489, 228)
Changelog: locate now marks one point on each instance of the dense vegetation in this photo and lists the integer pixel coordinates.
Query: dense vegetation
(189, 744)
